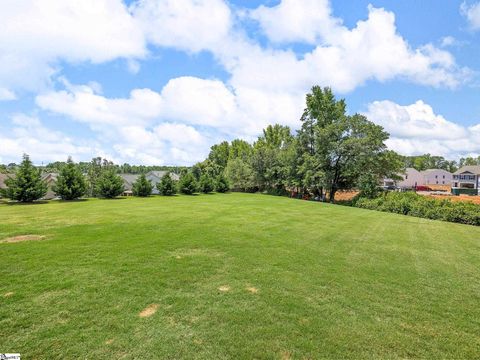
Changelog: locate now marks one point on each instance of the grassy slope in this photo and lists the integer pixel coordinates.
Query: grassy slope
(333, 281)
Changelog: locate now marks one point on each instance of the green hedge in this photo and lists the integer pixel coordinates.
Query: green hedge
(422, 206)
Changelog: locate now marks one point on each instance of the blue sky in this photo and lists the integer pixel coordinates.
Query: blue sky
(160, 81)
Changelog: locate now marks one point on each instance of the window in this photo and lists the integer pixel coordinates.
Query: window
(436, 176)
(444, 176)
(443, 182)
(437, 182)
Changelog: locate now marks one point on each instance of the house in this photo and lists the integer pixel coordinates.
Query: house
(412, 178)
(128, 180)
(466, 180)
(50, 179)
(4, 177)
(437, 177)
(156, 176)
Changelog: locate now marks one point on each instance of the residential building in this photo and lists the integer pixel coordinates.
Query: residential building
(466, 180)
(4, 177)
(437, 177)
(412, 178)
(156, 176)
(128, 180)
(50, 179)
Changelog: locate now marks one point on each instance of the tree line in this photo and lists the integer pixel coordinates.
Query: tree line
(331, 151)
(101, 180)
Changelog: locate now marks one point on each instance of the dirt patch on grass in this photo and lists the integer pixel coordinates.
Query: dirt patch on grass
(20, 238)
(252, 290)
(8, 294)
(224, 288)
(109, 342)
(149, 310)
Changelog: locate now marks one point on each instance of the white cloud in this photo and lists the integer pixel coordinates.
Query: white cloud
(472, 13)
(30, 136)
(37, 34)
(191, 25)
(416, 129)
(7, 95)
(344, 58)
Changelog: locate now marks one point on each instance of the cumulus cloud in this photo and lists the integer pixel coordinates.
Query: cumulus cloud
(36, 35)
(416, 129)
(28, 135)
(472, 14)
(191, 25)
(346, 58)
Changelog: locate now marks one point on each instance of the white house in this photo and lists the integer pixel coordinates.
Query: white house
(466, 180)
(437, 177)
(412, 178)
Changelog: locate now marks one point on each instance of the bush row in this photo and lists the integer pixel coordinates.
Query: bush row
(422, 206)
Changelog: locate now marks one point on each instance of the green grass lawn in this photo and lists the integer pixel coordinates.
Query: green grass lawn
(235, 276)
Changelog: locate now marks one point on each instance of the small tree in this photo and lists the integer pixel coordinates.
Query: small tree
(166, 186)
(142, 186)
(27, 185)
(222, 185)
(187, 184)
(70, 183)
(240, 175)
(368, 185)
(206, 184)
(109, 185)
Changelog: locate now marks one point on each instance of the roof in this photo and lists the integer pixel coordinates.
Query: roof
(129, 178)
(432, 170)
(159, 174)
(50, 177)
(4, 177)
(473, 169)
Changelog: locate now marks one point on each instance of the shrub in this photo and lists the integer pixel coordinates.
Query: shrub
(109, 185)
(221, 184)
(142, 187)
(206, 184)
(187, 184)
(166, 186)
(422, 206)
(27, 185)
(70, 183)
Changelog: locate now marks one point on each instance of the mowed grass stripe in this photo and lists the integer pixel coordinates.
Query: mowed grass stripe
(330, 281)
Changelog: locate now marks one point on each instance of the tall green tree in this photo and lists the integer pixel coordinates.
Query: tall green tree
(206, 184)
(166, 186)
(221, 184)
(27, 185)
(240, 175)
(187, 184)
(342, 146)
(70, 183)
(109, 185)
(142, 186)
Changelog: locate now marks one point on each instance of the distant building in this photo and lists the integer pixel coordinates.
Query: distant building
(4, 177)
(412, 178)
(156, 176)
(437, 177)
(50, 179)
(466, 180)
(128, 180)
(153, 176)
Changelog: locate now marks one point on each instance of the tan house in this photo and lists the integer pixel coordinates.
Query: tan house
(50, 179)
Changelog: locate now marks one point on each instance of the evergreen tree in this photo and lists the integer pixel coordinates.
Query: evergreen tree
(166, 186)
(206, 184)
(70, 183)
(109, 184)
(187, 184)
(142, 186)
(27, 185)
(222, 185)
